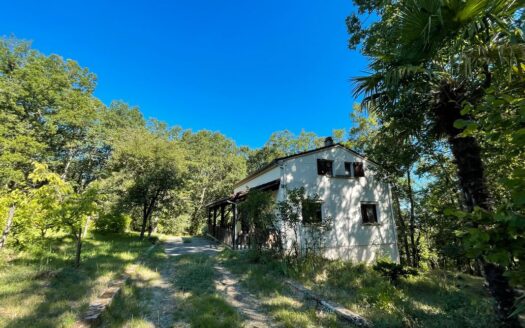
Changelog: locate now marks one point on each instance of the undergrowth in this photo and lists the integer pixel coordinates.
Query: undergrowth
(430, 299)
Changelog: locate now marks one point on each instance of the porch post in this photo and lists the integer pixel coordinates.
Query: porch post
(209, 219)
(215, 222)
(223, 223)
(234, 237)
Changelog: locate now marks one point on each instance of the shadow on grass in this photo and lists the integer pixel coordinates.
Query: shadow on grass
(433, 299)
(264, 278)
(42, 289)
(172, 290)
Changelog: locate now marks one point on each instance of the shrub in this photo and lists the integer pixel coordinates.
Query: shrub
(393, 271)
(112, 222)
(177, 226)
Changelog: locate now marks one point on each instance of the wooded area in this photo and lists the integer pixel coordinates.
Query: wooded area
(443, 113)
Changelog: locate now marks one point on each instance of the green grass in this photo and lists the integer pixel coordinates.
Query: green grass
(41, 288)
(172, 291)
(433, 299)
(264, 278)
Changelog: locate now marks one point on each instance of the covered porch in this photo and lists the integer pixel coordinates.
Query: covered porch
(227, 224)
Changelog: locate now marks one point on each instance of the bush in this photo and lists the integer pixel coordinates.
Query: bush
(393, 271)
(112, 222)
(178, 226)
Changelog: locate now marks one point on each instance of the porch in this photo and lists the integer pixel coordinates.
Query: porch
(226, 224)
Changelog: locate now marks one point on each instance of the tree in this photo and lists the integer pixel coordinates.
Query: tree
(429, 59)
(282, 143)
(154, 164)
(214, 165)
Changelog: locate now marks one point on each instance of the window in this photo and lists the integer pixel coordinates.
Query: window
(369, 213)
(354, 169)
(359, 170)
(324, 167)
(312, 212)
(348, 169)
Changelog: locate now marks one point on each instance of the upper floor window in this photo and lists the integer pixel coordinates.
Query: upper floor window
(354, 169)
(312, 211)
(325, 167)
(369, 213)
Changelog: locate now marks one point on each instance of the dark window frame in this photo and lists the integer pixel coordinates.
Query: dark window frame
(318, 215)
(325, 167)
(365, 219)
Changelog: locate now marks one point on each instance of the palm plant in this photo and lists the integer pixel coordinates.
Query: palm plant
(430, 57)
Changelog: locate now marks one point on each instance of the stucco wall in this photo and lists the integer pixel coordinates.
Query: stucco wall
(268, 176)
(349, 238)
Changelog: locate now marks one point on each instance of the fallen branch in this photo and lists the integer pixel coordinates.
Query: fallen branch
(339, 310)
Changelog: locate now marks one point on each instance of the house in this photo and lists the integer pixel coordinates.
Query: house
(357, 202)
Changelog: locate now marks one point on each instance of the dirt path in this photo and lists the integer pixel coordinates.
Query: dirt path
(225, 283)
(249, 306)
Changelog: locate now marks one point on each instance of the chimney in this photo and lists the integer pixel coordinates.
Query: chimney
(328, 141)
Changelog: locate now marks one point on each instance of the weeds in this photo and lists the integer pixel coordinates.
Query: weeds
(431, 299)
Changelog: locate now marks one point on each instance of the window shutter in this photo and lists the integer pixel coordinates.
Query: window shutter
(329, 170)
(364, 213)
(359, 170)
(348, 169)
(320, 167)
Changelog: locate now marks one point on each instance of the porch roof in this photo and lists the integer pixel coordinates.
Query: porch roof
(241, 195)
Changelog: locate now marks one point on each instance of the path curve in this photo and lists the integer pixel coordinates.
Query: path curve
(226, 283)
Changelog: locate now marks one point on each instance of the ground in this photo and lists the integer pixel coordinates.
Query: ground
(190, 282)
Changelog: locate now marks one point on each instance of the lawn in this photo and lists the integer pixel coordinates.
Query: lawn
(431, 299)
(40, 287)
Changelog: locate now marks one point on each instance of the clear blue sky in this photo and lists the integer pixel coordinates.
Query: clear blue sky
(244, 68)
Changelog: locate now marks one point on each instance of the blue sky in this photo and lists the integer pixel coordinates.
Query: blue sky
(244, 68)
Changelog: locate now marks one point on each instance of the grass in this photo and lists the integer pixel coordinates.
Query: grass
(433, 299)
(172, 291)
(264, 278)
(41, 288)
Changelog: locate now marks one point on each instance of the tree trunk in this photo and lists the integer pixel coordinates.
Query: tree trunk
(467, 155)
(148, 209)
(412, 226)
(403, 227)
(79, 248)
(8, 225)
(195, 215)
(86, 227)
(144, 220)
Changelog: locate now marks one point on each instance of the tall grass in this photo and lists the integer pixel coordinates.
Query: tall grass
(39, 287)
(430, 299)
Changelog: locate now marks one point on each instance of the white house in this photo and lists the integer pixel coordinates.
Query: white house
(358, 203)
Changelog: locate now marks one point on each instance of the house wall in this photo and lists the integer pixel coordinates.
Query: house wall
(268, 176)
(349, 238)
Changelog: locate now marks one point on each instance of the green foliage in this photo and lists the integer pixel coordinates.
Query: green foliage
(283, 143)
(258, 211)
(292, 224)
(393, 271)
(214, 165)
(113, 222)
(452, 70)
